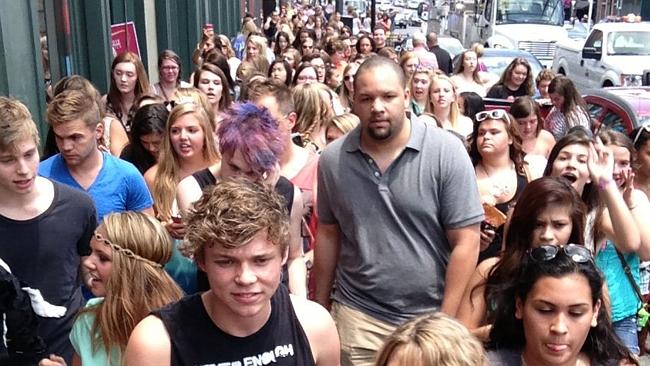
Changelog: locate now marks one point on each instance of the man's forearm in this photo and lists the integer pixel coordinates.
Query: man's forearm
(462, 263)
(326, 254)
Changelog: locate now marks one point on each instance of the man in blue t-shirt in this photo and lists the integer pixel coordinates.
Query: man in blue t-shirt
(114, 185)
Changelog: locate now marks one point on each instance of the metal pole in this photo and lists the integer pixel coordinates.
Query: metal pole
(373, 15)
(590, 13)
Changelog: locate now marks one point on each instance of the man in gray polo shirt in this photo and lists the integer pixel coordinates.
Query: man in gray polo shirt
(399, 217)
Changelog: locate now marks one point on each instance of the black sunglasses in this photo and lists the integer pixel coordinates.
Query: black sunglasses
(544, 253)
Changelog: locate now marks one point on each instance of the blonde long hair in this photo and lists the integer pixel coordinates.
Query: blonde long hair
(454, 110)
(138, 283)
(434, 339)
(169, 165)
(312, 110)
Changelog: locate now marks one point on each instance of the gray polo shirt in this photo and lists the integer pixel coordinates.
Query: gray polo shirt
(394, 249)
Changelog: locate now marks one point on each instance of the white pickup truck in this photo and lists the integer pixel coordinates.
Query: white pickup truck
(614, 54)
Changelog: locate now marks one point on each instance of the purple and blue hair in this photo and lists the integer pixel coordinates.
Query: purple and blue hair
(253, 132)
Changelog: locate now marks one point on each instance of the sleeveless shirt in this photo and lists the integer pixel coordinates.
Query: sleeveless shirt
(196, 340)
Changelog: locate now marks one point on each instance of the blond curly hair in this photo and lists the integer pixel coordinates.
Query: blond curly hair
(232, 213)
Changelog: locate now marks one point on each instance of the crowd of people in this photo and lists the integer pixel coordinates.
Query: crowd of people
(311, 196)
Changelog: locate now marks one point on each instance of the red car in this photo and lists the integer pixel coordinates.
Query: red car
(620, 108)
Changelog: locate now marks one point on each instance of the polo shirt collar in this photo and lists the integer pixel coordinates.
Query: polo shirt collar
(352, 141)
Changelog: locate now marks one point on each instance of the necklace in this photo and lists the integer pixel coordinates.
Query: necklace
(498, 189)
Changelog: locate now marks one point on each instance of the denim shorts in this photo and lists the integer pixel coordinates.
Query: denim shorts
(625, 329)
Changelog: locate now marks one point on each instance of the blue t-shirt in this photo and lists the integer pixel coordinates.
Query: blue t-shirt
(119, 186)
(625, 302)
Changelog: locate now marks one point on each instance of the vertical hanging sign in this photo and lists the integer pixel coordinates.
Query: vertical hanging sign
(124, 38)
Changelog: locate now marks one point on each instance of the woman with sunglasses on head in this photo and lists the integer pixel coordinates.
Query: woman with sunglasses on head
(443, 104)
(569, 109)
(467, 76)
(500, 170)
(610, 226)
(516, 81)
(552, 312)
(548, 212)
(419, 84)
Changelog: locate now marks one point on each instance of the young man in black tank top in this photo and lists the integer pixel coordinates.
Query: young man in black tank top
(238, 234)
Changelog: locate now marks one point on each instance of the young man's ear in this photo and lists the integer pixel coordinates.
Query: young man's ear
(99, 130)
(292, 117)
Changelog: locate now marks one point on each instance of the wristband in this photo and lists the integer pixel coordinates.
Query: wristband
(603, 183)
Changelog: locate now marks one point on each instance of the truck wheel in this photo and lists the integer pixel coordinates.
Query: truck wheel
(561, 71)
(607, 83)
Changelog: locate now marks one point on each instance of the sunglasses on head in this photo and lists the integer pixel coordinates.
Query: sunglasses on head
(644, 127)
(545, 253)
(492, 114)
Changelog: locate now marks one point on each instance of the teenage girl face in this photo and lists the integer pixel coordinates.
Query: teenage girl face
(557, 315)
(125, 76)
(99, 263)
(212, 85)
(151, 143)
(493, 138)
(279, 73)
(410, 66)
(442, 93)
(528, 126)
(288, 57)
(571, 163)
(348, 79)
(557, 100)
(622, 163)
(470, 61)
(307, 76)
(187, 136)
(421, 83)
(518, 75)
(643, 159)
(332, 133)
(283, 43)
(553, 226)
(252, 50)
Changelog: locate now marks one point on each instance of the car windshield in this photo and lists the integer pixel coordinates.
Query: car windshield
(530, 11)
(628, 43)
(497, 64)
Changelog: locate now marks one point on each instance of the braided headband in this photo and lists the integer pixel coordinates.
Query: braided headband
(126, 252)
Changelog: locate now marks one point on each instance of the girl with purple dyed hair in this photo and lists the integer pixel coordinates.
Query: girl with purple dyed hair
(251, 144)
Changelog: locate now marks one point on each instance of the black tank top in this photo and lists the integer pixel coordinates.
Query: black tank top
(283, 187)
(196, 340)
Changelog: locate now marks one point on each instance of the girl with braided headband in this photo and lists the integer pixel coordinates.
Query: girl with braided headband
(129, 250)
